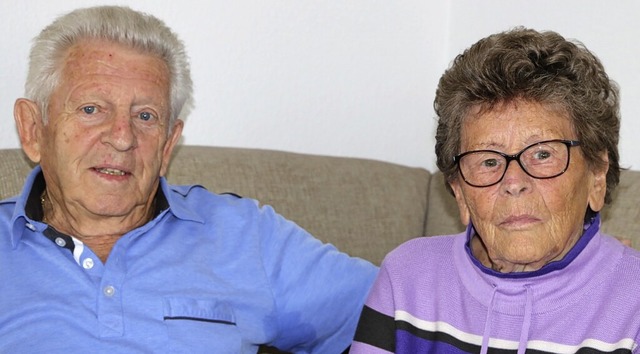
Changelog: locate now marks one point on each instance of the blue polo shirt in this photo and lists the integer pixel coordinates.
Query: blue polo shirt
(209, 274)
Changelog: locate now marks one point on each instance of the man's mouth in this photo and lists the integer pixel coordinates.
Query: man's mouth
(111, 171)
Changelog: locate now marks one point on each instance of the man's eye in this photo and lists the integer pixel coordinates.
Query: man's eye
(89, 109)
(145, 116)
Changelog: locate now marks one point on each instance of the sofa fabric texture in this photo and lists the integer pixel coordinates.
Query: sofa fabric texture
(364, 207)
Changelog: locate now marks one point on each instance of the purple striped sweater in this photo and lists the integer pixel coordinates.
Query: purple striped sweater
(432, 296)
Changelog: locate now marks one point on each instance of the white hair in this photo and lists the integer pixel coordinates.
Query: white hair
(117, 24)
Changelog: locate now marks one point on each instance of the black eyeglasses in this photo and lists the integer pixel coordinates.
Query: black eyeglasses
(544, 159)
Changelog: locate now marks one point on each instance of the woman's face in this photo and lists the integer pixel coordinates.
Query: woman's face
(522, 222)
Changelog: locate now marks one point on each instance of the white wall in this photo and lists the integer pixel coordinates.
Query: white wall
(336, 77)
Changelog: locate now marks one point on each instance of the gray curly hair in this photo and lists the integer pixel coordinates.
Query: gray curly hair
(541, 67)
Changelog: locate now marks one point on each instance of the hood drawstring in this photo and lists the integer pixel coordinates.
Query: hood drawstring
(526, 324)
(487, 323)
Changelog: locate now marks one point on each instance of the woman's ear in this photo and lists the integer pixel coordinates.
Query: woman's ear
(463, 208)
(598, 183)
(29, 123)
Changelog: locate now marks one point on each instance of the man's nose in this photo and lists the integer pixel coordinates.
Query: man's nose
(120, 133)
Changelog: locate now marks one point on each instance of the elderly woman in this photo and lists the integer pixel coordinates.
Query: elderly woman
(527, 140)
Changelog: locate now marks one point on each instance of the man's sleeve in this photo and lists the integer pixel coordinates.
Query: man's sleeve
(319, 291)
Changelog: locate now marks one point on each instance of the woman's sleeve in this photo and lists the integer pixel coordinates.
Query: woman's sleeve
(376, 329)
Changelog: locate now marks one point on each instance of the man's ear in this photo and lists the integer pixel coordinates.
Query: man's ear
(172, 141)
(598, 183)
(29, 123)
(463, 208)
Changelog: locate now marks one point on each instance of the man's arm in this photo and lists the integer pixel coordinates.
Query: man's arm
(319, 291)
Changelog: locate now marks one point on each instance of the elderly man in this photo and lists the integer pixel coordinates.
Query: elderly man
(100, 253)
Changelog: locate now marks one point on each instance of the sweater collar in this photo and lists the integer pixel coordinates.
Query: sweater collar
(590, 229)
(585, 267)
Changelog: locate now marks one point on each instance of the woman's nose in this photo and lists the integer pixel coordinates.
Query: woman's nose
(515, 181)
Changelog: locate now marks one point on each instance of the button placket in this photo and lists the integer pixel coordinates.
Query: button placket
(109, 291)
(60, 242)
(88, 263)
(110, 296)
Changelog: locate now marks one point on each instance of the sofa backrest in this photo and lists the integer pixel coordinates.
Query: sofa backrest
(364, 207)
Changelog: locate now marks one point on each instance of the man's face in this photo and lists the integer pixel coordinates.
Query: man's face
(107, 139)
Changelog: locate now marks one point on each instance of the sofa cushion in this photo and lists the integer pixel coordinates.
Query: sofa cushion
(364, 207)
(621, 218)
(442, 215)
(14, 168)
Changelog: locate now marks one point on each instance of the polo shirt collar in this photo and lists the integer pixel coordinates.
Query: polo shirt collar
(28, 211)
(176, 199)
(19, 219)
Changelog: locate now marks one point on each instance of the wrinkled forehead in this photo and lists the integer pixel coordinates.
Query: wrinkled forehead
(479, 109)
(102, 57)
(512, 125)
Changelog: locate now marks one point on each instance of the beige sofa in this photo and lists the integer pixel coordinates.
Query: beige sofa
(364, 207)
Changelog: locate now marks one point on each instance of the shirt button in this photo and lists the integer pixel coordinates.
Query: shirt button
(31, 227)
(60, 242)
(109, 291)
(87, 263)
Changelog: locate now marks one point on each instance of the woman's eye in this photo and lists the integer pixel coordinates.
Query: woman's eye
(490, 163)
(89, 109)
(145, 116)
(542, 155)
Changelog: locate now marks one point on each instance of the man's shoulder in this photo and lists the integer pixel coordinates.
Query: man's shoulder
(195, 202)
(7, 207)
(9, 201)
(199, 195)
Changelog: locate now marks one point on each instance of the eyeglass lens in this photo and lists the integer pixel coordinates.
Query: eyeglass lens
(542, 160)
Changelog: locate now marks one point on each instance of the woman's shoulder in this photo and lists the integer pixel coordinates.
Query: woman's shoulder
(631, 257)
(425, 250)
(424, 263)
(621, 245)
